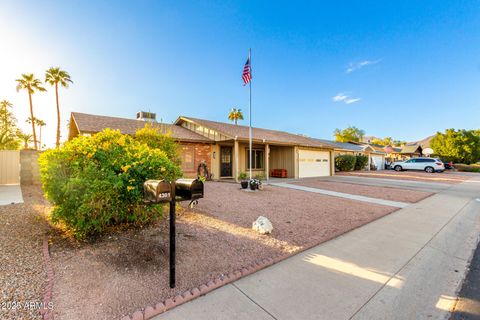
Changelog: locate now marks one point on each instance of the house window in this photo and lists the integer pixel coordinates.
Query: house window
(257, 159)
(187, 155)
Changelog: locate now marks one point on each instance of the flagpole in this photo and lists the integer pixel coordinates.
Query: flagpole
(250, 112)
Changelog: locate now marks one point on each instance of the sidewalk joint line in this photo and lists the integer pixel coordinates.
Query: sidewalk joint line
(409, 260)
(271, 315)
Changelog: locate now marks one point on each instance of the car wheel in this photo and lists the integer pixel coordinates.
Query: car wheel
(429, 170)
(398, 168)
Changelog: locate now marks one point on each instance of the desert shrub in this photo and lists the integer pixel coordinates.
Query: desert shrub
(345, 162)
(158, 137)
(361, 162)
(467, 168)
(96, 182)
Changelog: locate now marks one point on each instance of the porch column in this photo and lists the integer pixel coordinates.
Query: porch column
(296, 162)
(267, 161)
(369, 161)
(332, 163)
(236, 160)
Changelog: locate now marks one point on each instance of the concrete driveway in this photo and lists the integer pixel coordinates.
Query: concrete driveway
(406, 265)
(10, 193)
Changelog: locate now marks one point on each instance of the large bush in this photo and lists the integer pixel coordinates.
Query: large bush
(361, 162)
(95, 182)
(345, 162)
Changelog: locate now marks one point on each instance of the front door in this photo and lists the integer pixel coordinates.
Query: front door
(225, 161)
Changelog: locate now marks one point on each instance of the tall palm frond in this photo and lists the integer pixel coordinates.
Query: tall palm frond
(55, 76)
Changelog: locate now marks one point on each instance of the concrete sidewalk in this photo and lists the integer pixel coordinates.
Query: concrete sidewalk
(407, 265)
(10, 193)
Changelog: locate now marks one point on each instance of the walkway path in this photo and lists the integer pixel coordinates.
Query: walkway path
(344, 195)
(407, 265)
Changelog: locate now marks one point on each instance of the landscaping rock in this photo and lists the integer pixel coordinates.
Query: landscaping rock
(262, 225)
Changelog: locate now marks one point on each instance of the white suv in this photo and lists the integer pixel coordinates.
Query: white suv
(429, 165)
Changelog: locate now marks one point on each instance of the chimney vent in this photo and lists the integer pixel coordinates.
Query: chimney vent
(146, 116)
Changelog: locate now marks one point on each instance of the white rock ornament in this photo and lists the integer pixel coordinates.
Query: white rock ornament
(262, 225)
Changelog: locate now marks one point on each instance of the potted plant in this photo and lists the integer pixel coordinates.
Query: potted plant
(243, 180)
(254, 183)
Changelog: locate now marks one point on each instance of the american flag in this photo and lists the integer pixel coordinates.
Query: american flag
(247, 72)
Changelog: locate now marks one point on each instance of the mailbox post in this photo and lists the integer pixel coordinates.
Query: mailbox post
(160, 191)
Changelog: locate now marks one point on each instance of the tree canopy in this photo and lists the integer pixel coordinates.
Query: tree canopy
(8, 127)
(461, 146)
(349, 134)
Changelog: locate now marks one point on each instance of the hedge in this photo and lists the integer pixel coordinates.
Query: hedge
(345, 162)
(96, 182)
(361, 162)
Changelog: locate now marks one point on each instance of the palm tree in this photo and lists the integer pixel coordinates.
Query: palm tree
(25, 137)
(55, 76)
(235, 115)
(40, 123)
(4, 105)
(31, 84)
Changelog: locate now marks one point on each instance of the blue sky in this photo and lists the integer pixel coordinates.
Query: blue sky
(403, 69)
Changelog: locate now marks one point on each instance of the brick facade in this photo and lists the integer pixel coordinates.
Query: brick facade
(201, 153)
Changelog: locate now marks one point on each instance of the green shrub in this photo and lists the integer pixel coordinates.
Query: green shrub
(242, 176)
(345, 162)
(467, 168)
(259, 176)
(361, 162)
(96, 182)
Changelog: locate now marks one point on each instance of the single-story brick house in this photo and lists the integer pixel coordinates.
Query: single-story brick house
(223, 147)
(375, 155)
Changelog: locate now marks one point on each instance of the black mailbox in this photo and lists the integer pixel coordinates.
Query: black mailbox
(156, 191)
(188, 189)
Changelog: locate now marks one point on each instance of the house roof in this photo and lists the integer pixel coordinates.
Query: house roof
(411, 149)
(345, 145)
(89, 123)
(259, 134)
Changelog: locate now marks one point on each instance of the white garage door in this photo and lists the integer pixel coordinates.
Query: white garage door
(379, 162)
(313, 163)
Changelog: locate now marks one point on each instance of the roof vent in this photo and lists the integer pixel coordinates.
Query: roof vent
(146, 116)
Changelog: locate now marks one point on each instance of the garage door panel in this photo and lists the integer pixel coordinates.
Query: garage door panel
(314, 163)
(379, 162)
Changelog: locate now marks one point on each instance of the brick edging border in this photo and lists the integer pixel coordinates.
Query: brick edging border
(149, 312)
(46, 312)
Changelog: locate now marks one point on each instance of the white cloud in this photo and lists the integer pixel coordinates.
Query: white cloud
(353, 66)
(342, 97)
(352, 100)
(339, 97)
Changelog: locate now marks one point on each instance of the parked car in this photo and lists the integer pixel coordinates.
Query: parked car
(448, 164)
(429, 165)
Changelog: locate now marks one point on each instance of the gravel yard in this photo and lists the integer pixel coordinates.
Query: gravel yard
(440, 177)
(127, 270)
(22, 272)
(386, 193)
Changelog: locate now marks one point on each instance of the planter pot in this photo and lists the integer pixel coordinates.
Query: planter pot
(253, 186)
(244, 184)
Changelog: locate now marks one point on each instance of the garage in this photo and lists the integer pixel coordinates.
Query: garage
(379, 162)
(313, 163)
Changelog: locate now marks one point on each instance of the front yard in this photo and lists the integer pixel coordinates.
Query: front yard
(126, 269)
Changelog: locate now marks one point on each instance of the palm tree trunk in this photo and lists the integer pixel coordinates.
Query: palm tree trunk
(58, 116)
(236, 121)
(33, 120)
(40, 139)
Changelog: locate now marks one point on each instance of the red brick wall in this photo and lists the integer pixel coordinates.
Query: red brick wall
(202, 152)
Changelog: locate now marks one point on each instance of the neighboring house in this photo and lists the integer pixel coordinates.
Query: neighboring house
(223, 147)
(375, 154)
(403, 153)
